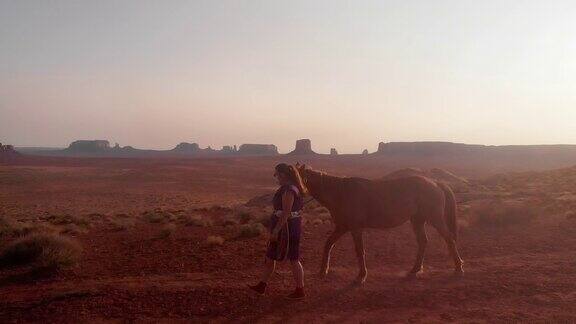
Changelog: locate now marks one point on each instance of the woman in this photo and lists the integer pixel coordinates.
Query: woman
(285, 229)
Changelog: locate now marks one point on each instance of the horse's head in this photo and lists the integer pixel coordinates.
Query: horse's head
(312, 179)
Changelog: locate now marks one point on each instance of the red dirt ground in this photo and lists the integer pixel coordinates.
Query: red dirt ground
(520, 273)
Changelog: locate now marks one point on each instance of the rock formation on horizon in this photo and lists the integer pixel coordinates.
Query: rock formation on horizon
(426, 148)
(333, 151)
(458, 184)
(185, 147)
(303, 147)
(258, 149)
(227, 149)
(365, 152)
(88, 146)
(8, 153)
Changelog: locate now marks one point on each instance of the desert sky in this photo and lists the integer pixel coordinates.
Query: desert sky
(346, 74)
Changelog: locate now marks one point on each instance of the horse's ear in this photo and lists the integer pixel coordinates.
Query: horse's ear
(301, 167)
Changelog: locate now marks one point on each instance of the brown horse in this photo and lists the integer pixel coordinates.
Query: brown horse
(356, 204)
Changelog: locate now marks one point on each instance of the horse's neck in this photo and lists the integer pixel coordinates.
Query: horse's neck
(327, 189)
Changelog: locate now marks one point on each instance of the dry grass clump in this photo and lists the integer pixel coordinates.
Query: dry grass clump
(9, 227)
(158, 216)
(251, 230)
(42, 250)
(167, 231)
(66, 219)
(121, 224)
(263, 219)
(195, 220)
(213, 240)
(499, 214)
(246, 215)
(316, 221)
(72, 229)
(243, 214)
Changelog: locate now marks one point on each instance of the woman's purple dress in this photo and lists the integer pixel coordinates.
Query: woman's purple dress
(288, 243)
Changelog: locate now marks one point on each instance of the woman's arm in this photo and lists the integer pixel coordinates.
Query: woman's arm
(287, 202)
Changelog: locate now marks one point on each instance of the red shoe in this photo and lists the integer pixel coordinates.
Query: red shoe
(259, 288)
(297, 294)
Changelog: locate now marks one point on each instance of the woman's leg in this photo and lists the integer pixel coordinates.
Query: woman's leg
(269, 266)
(298, 273)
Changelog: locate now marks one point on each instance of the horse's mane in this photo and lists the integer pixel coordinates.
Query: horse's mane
(325, 176)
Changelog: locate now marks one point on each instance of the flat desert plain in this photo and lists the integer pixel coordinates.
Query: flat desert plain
(175, 240)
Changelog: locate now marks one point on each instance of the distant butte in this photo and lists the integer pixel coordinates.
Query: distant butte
(88, 146)
(303, 147)
(8, 154)
(258, 149)
(187, 148)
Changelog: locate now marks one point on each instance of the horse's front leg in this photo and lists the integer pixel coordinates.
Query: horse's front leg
(361, 255)
(337, 234)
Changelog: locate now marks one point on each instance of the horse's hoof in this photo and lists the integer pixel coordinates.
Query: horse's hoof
(322, 275)
(359, 281)
(458, 273)
(413, 275)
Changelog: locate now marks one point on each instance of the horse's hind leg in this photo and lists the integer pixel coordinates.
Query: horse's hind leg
(442, 229)
(337, 234)
(361, 255)
(422, 239)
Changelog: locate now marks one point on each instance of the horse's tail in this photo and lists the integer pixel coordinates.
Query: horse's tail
(450, 209)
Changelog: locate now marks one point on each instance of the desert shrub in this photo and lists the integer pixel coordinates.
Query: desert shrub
(251, 230)
(214, 240)
(243, 214)
(121, 224)
(158, 216)
(316, 221)
(42, 250)
(195, 220)
(72, 229)
(9, 227)
(38, 228)
(167, 231)
(263, 219)
(229, 222)
(219, 209)
(503, 215)
(66, 219)
(326, 217)
(245, 217)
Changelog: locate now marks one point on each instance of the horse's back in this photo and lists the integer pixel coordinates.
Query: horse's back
(385, 202)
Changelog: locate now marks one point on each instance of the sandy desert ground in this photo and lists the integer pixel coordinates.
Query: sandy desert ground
(151, 232)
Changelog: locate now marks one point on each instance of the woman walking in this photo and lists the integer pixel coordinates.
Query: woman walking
(285, 229)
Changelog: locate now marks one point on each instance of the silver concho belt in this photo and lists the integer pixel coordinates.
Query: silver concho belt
(295, 214)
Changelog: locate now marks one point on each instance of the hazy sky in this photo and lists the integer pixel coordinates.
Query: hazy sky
(346, 74)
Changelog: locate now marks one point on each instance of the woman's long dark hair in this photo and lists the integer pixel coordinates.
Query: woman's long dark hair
(293, 175)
